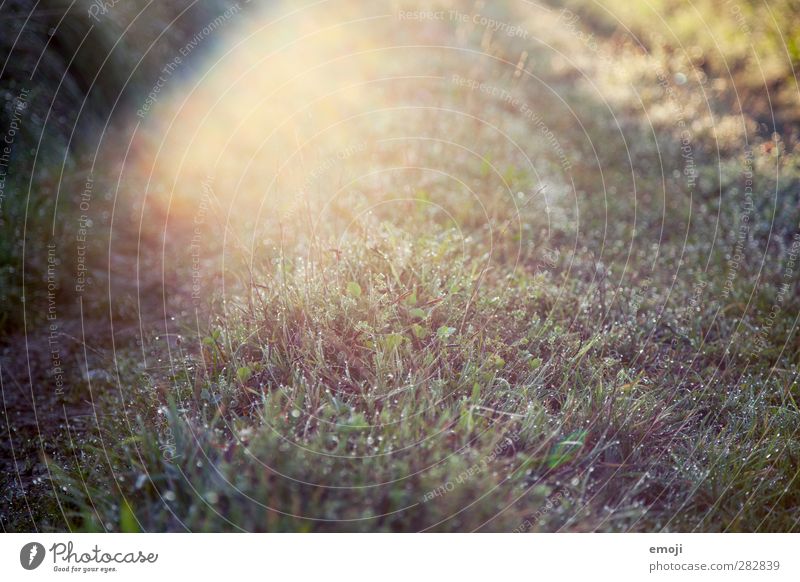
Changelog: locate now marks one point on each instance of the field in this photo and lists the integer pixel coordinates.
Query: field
(462, 267)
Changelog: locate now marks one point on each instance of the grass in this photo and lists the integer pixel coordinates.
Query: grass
(750, 46)
(489, 339)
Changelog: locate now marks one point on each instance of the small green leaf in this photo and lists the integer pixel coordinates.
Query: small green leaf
(353, 289)
(418, 313)
(355, 422)
(585, 349)
(476, 392)
(535, 363)
(393, 340)
(244, 374)
(466, 420)
(419, 331)
(566, 450)
(497, 361)
(445, 332)
(127, 519)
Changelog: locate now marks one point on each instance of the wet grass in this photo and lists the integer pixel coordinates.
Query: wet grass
(538, 347)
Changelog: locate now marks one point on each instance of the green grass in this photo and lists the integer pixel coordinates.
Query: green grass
(361, 396)
(746, 45)
(413, 355)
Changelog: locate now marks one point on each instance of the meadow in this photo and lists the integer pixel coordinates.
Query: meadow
(461, 267)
